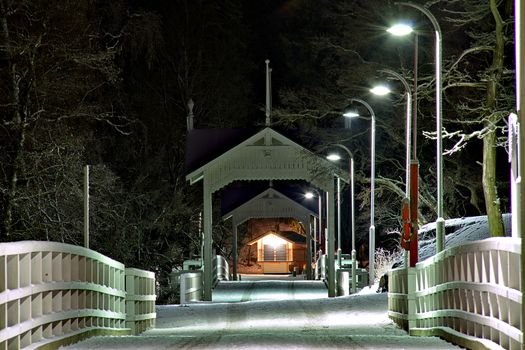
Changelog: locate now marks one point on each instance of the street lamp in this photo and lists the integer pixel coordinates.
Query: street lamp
(408, 123)
(335, 157)
(372, 230)
(440, 222)
(310, 195)
(411, 188)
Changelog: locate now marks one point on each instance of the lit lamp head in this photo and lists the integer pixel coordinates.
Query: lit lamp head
(400, 29)
(351, 113)
(380, 90)
(333, 157)
(309, 195)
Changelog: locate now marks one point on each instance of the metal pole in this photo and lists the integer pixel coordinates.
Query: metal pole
(372, 230)
(86, 206)
(354, 262)
(408, 125)
(327, 219)
(320, 196)
(308, 248)
(520, 98)
(331, 240)
(351, 175)
(207, 258)
(372, 198)
(339, 259)
(440, 221)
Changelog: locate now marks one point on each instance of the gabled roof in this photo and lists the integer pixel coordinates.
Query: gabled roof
(267, 155)
(269, 204)
(289, 236)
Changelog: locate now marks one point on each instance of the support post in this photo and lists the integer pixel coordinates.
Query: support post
(207, 259)
(411, 298)
(331, 240)
(86, 206)
(308, 248)
(234, 251)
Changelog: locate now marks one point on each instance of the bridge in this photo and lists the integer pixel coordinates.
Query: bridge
(55, 294)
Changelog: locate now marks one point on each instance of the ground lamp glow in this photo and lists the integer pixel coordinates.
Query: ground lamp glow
(440, 222)
(336, 157)
(372, 230)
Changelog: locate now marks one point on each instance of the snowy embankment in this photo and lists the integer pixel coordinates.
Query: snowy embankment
(458, 231)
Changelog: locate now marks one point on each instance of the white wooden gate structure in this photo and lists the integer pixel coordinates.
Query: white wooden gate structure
(271, 204)
(267, 155)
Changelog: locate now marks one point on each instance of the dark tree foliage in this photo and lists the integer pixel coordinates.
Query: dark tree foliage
(106, 83)
(336, 48)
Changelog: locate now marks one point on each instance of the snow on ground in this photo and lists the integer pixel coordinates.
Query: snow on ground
(458, 231)
(290, 313)
(354, 322)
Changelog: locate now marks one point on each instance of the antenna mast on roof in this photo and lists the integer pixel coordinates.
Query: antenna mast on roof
(268, 92)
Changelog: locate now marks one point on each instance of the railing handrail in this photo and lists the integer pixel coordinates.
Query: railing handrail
(51, 292)
(471, 289)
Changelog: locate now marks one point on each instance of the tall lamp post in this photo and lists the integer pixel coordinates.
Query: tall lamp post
(310, 195)
(372, 230)
(336, 157)
(404, 30)
(412, 165)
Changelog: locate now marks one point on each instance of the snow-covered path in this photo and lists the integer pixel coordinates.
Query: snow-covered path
(354, 322)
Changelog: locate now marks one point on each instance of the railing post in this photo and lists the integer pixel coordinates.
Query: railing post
(411, 298)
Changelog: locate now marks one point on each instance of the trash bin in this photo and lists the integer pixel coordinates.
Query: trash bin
(343, 282)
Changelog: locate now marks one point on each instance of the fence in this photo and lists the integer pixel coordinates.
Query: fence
(140, 300)
(54, 293)
(469, 294)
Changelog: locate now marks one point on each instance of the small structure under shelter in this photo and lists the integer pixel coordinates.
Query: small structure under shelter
(280, 251)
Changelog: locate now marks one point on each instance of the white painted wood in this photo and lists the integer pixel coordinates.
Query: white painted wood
(472, 289)
(50, 291)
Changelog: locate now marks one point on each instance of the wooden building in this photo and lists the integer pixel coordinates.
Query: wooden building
(279, 252)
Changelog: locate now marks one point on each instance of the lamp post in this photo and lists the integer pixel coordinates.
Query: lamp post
(335, 157)
(372, 230)
(383, 90)
(403, 30)
(410, 227)
(310, 195)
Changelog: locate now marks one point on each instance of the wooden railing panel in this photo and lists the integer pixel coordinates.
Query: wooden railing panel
(55, 293)
(472, 289)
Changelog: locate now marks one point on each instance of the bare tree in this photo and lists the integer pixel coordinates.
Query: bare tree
(478, 83)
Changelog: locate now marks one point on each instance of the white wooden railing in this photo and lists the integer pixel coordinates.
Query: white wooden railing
(140, 300)
(469, 294)
(54, 293)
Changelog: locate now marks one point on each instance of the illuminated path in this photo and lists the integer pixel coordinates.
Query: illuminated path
(355, 322)
(258, 287)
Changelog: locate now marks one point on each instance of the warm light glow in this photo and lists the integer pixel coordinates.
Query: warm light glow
(351, 114)
(308, 195)
(333, 157)
(380, 90)
(273, 240)
(400, 29)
